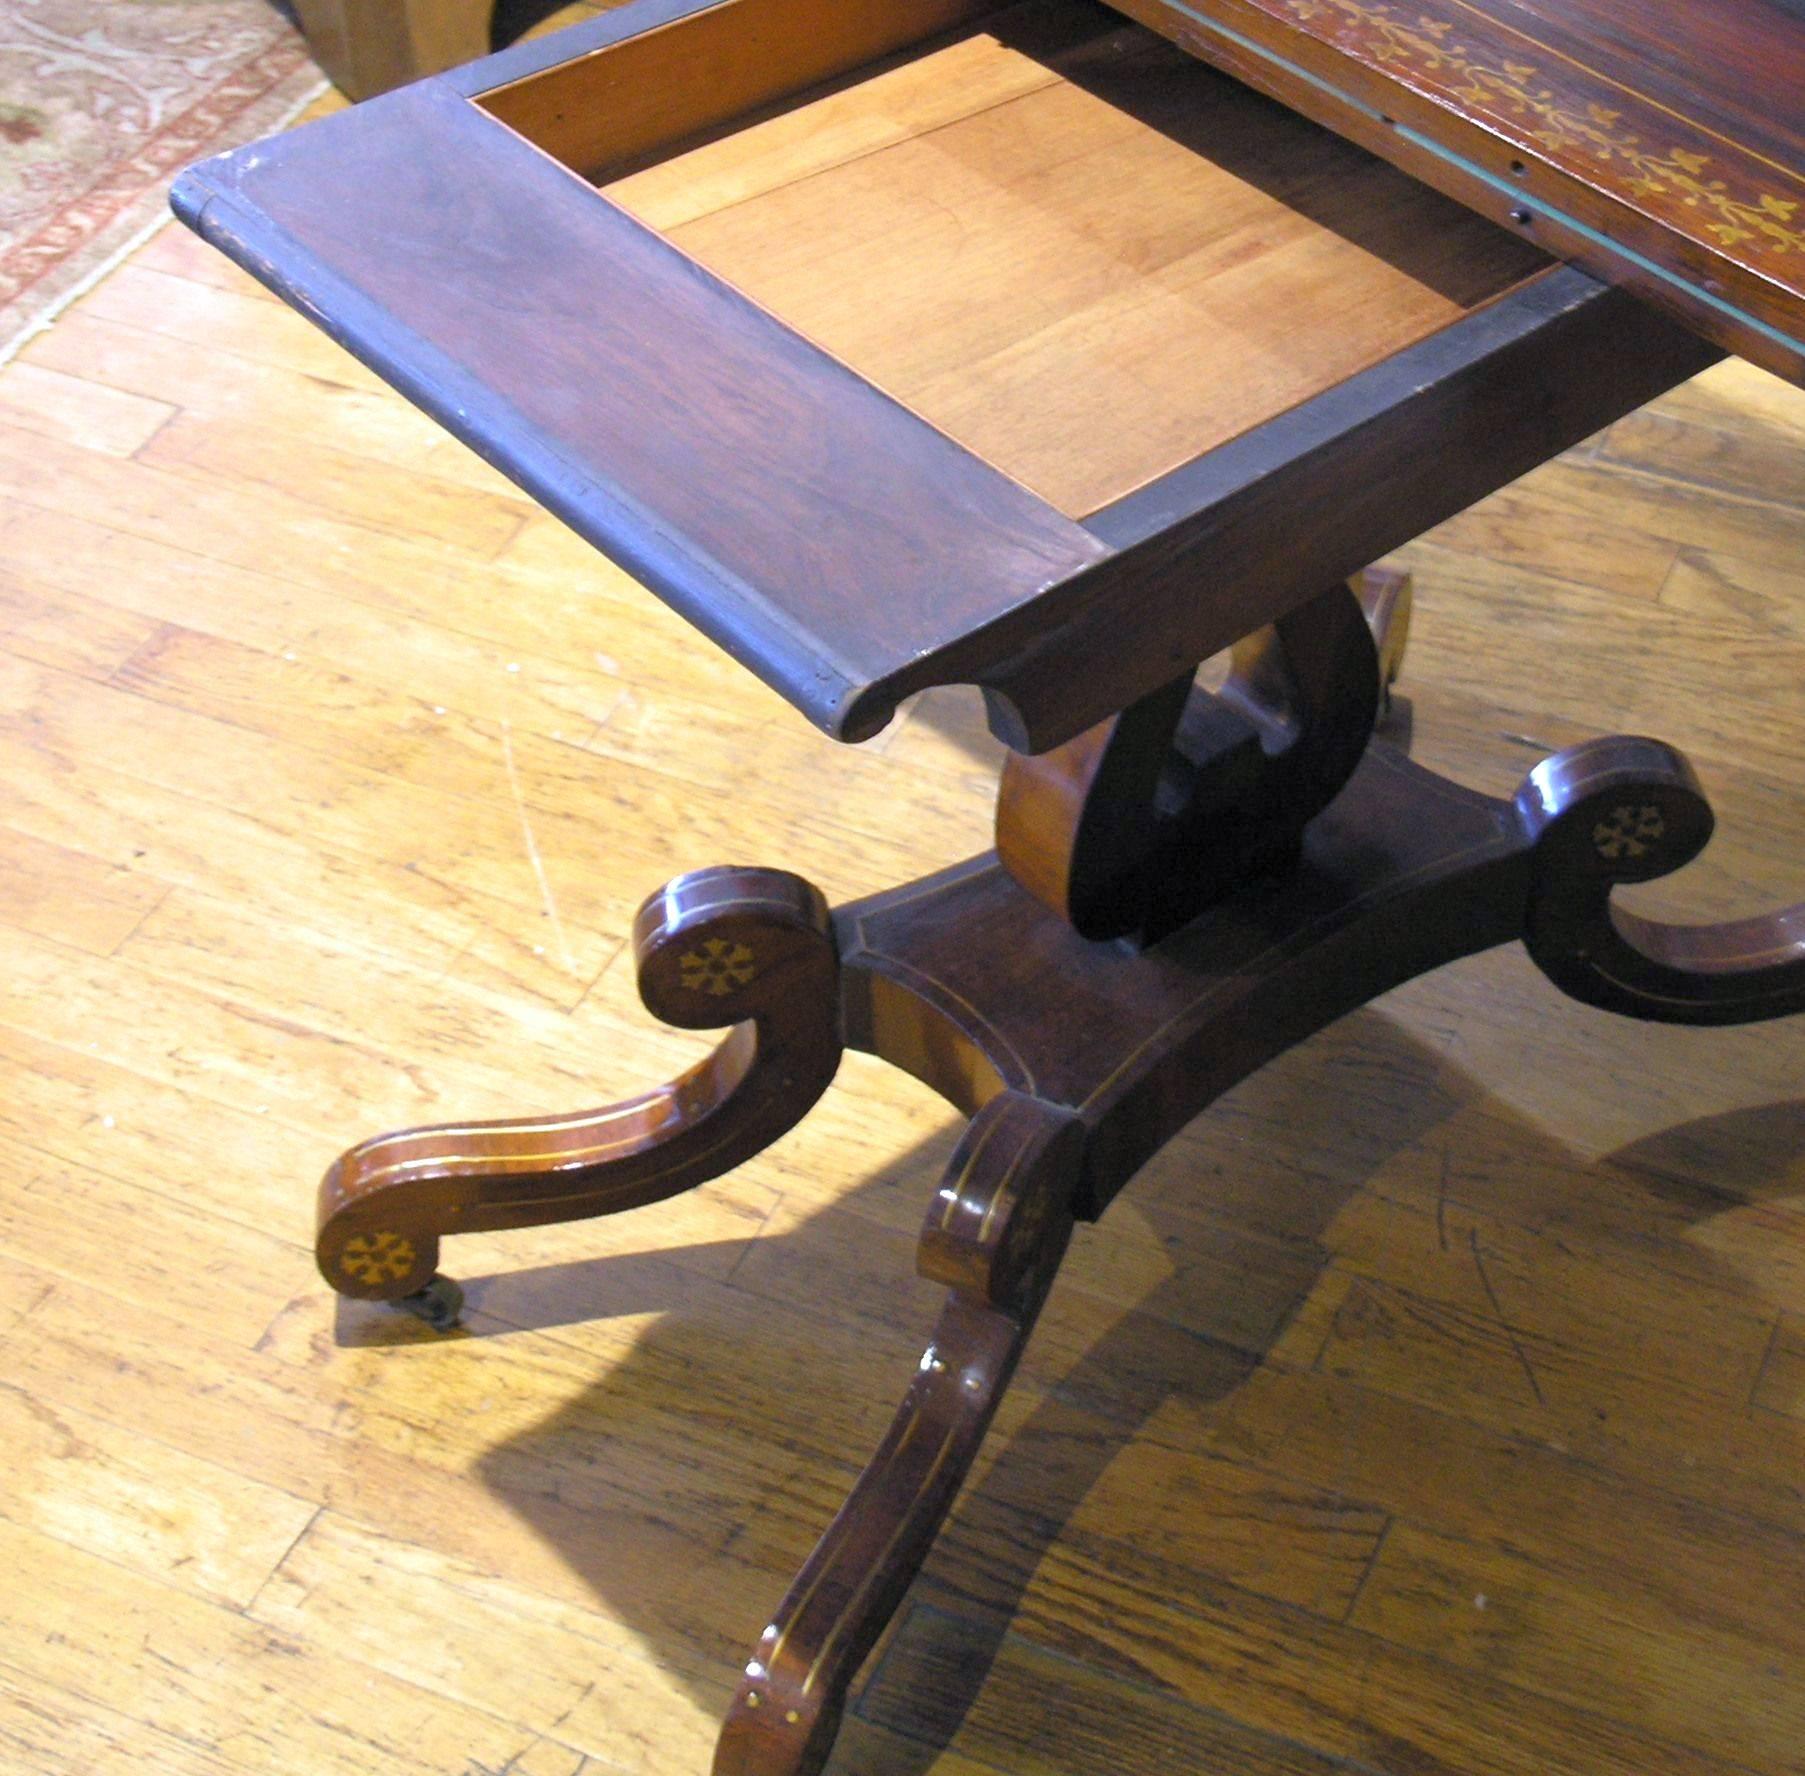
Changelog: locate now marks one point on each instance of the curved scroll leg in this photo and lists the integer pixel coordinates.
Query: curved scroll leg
(748, 947)
(995, 1233)
(1624, 810)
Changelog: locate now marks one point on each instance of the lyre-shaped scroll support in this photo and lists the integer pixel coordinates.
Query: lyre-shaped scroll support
(747, 947)
(1142, 821)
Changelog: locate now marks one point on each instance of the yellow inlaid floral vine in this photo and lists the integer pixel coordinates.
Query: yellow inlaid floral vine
(1678, 173)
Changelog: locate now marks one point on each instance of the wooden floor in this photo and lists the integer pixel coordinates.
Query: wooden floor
(1436, 1406)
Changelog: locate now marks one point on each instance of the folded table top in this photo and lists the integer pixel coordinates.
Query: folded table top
(1659, 143)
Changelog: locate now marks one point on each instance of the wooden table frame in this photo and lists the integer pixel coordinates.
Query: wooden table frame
(1186, 883)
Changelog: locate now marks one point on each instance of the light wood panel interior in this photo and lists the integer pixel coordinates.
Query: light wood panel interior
(1081, 253)
(720, 61)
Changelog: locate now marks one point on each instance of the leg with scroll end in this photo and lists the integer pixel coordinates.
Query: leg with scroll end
(995, 1234)
(742, 947)
(1622, 810)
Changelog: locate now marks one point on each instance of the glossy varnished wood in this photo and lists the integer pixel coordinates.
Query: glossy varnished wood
(1140, 823)
(1479, 1293)
(1662, 146)
(1404, 872)
(748, 949)
(995, 1232)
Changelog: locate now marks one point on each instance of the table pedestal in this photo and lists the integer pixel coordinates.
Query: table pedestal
(1075, 1057)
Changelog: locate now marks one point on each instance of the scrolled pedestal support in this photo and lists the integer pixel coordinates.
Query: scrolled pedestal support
(1075, 1059)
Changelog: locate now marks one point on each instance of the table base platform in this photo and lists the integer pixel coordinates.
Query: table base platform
(1076, 1060)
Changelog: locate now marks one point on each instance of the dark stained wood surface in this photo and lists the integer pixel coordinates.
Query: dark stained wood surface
(966, 980)
(724, 947)
(819, 531)
(1248, 532)
(1406, 871)
(1141, 822)
(1662, 146)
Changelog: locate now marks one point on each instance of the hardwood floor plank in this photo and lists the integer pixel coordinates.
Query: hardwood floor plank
(216, 319)
(72, 897)
(192, 1524)
(1717, 457)
(194, 1670)
(1780, 1387)
(47, 1731)
(1686, 1674)
(380, 496)
(69, 1105)
(1394, 1341)
(1280, 1673)
(79, 410)
(210, 385)
(1039, 1710)
(274, 534)
(1669, 1556)
(189, 1252)
(92, 639)
(454, 1629)
(1476, 1293)
(1719, 587)
(179, 253)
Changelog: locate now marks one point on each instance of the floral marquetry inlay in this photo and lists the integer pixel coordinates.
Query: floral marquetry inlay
(1629, 831)
(371, 1258)
(1506, 86)
(717, 968)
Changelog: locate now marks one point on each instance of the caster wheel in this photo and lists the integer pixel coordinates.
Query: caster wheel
(439, 1304)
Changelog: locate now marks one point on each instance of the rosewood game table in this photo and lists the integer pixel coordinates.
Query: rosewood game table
(1586, 204)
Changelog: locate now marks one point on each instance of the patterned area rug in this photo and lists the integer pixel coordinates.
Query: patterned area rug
(101, 103)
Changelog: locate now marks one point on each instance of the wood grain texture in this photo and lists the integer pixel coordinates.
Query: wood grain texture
(773, 482)
(747, 950)
(841, 546)
(1139, 824)
(1661, 151)
(368, 46)
(551, 1540)
(648, 76)
(1071, 221)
